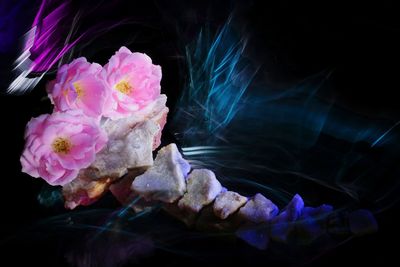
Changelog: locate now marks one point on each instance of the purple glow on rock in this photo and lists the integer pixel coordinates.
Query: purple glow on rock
(282, 225)
(256, 237)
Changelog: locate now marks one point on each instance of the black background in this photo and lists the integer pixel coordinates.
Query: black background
(359, 41)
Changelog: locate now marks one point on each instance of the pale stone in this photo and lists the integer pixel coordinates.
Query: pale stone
(130, 145)
(156, 111)
(259, 209)
(165, 180)
(202, 189)
(130, 151)
(131, 140)
(228, 203)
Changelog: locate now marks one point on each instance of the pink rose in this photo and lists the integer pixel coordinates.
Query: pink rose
(78, 86)
(133, 81)
(59, 145)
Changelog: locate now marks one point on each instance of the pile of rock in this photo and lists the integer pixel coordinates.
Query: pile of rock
(169, 181)
(131, 142)
(195, 197)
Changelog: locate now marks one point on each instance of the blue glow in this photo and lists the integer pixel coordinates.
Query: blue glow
(385, 134)
(50, 196)
(218, 78)
(231, 120)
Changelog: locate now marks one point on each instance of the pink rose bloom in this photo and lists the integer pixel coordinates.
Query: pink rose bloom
(133, 81)
(78, 86)
(59, 145)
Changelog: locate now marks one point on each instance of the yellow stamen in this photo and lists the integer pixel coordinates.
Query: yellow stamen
(61, 145)
(124, 87)
(78, 89)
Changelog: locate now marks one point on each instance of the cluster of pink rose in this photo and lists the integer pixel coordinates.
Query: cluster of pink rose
(58, 145)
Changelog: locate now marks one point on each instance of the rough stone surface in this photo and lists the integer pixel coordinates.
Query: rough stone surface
(130, 145)
(84, 191)
(165, 180)
(131, 140)
(130, 151)
(154, 111)
(293, 210)
(259, 209)
(228, 203)
(282, 225)
(202, 189)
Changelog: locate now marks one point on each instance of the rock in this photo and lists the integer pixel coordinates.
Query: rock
(299, 224)
(134, 151)
(131, 140)
(255, 236)
(155, 111)
(294, 209)
(208, 221)
(312, 223)
(282, 225)
(165, 180)
(122, 191)
(160, 118)
(130, 151)
(321, 211)
(227, 203)
(259, 209)
(202, 189)
(84, 191)
(130, 145)
(186, 216)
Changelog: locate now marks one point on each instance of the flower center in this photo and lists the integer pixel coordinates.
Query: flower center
(61, 145)
(78, 89)
(124, 87)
